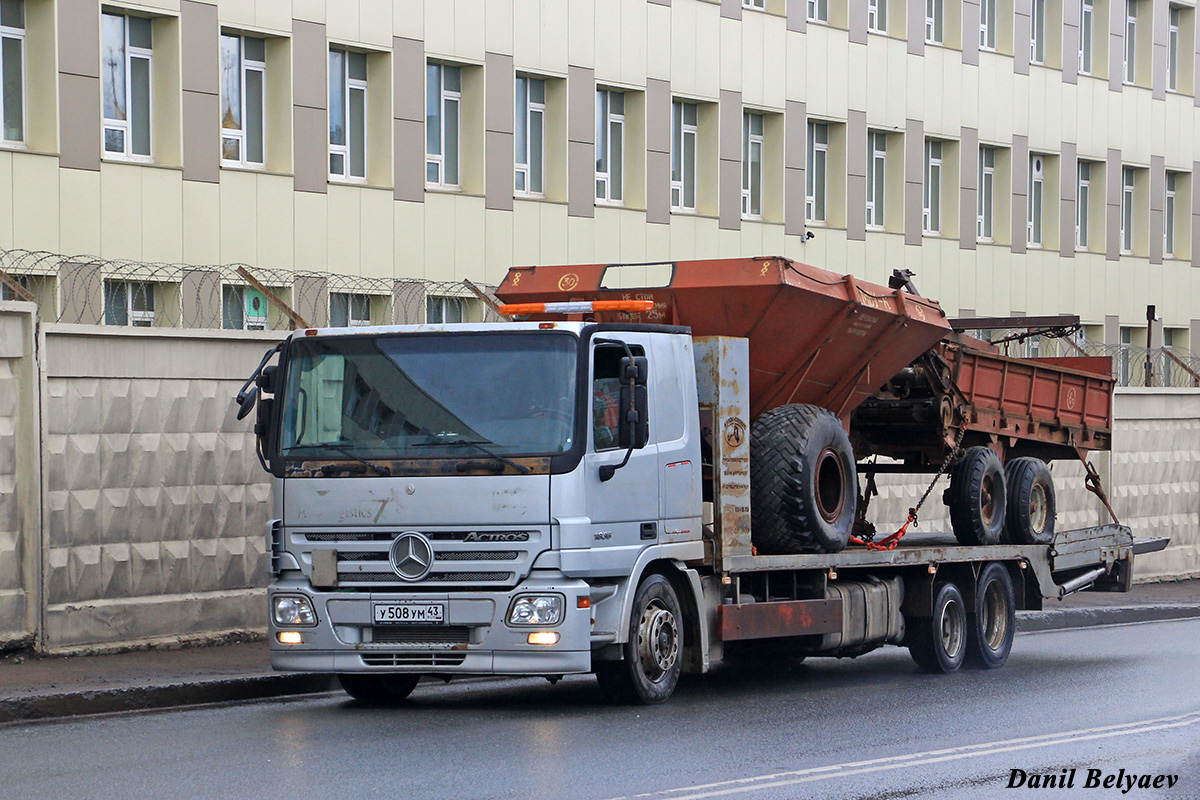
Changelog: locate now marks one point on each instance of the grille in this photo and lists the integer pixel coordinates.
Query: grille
(480, 555)
(387, 536)
(421, 634)
(414, 659)
(437, 577)
(470, 555)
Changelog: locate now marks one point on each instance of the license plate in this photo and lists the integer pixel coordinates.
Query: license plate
(401, 613)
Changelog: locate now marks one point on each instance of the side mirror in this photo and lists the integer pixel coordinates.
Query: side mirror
(246, 401)
(268, 379)
(633, 432)
(637, 368)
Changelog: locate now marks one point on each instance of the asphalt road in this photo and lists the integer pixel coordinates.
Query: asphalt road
(1108, 699)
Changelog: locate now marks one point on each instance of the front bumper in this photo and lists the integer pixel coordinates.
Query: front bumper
(475, 639)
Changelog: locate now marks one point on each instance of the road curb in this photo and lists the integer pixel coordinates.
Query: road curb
(142, 698)
(1060, 618)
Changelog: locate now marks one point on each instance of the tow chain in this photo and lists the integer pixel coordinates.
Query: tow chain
(893, 541)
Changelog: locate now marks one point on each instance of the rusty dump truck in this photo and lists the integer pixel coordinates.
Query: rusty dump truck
(656, 466)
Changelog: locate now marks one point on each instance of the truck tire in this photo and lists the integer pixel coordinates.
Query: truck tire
(939, 643)
(803, 486)
(379, 690)
(994, 622)
(977, 497)
(654, 653)
(1031, 506)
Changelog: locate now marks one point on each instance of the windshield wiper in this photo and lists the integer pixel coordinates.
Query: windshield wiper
(380, 469)
(479, 445)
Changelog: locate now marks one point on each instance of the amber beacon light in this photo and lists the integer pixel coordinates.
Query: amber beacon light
(515, 309)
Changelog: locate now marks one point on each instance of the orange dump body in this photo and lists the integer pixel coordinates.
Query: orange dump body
(815, 336)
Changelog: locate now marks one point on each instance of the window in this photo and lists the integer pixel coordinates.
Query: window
(440, 310)
(1130, 39)
(12, 69)
(877, 15)
(752, 165)
(1127, 210)
(349, 310)
(1125, 356)
(1037, 191)
(1169, 217)
(931, 217)
(986, 194)
(129, 303)
(610, 146)
(606, 394)
(1082, 200)
(816, 174)
(243, 88)
(530, 135)
(1037, 32)
(987, 24)
(443, 105)
(7, 292)
(1087, 17)
(126, 76)
(818, 10)
(934, 21)
(347, 115)
(876, 178)
(684, 132)
(1173, 50)
(243, 308)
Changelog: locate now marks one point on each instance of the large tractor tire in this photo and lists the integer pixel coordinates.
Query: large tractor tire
(803, 486)
(977, 497)
(1031, 508)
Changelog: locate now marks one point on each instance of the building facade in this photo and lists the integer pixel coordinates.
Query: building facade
(1020, 156)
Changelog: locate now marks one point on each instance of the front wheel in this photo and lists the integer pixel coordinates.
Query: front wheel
(379, 690)
(939, 643)
(653, 655)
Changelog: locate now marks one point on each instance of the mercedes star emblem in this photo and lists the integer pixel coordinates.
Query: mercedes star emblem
(411, 556)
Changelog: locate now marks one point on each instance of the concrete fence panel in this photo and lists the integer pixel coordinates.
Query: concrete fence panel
(154, 498)
(20, 528)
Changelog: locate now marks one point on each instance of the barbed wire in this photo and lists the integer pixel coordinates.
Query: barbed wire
(87, 289)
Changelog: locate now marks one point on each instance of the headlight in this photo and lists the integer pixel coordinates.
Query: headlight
(536, 609)
(293, 610)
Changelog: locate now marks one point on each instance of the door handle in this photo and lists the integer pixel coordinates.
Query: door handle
(649, 530)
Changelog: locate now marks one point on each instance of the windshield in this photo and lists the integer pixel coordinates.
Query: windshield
(429, 396)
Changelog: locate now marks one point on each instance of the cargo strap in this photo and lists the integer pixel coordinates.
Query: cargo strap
(893, 541)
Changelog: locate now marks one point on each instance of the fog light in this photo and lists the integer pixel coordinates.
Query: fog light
(293, 610)
(290, 637)
(543, 637)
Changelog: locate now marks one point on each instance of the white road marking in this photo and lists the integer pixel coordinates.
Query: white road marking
(740, 785)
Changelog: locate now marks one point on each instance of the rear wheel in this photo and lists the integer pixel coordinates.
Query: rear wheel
(1031, 506)
(654, 653)
(939, 643)
(379, 690)
(804, 488)
(977, 497)
(994, 622)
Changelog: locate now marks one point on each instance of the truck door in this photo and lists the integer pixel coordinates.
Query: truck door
(624, 510)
